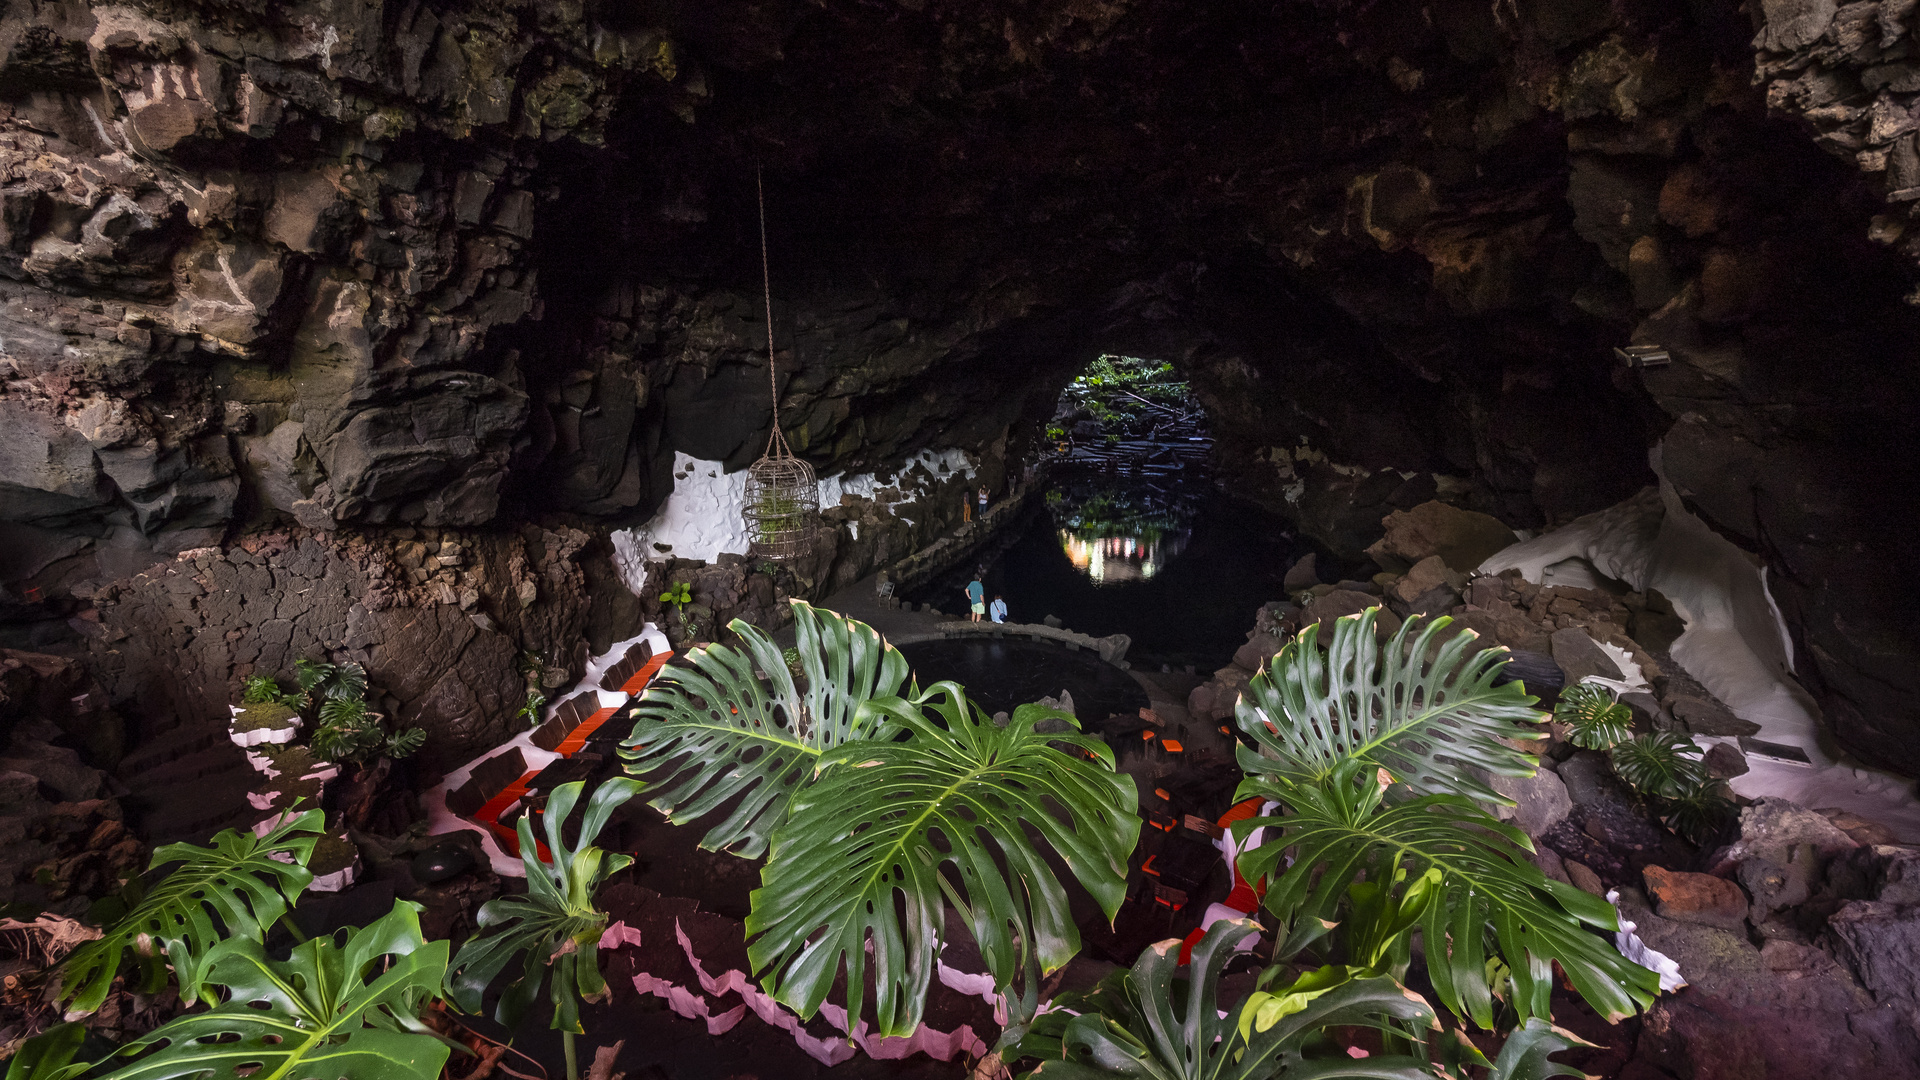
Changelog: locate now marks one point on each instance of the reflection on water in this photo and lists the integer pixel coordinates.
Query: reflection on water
(1120, 529)
(1109, 560)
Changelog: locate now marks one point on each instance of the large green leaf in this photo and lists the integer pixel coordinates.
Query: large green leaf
(1664, 764)
(1428, 722)
(49, 1055)
(733, 724)
(236, 888)
(1490, 900)
(869, 848)
(1130, 1026)
(555, 928)
(1596, 721)
(1524, 1055)
(327, 1012)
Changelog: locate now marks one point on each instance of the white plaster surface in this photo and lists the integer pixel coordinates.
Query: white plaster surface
(1735, 644)
(702, 519)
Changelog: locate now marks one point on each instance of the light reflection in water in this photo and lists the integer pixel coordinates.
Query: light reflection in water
(1110, 560)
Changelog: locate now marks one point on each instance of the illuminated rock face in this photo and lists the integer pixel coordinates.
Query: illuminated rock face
(471, 265)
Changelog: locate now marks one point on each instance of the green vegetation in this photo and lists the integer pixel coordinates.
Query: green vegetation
(554, 930)
(1128, 397)
(1145, 1024)
(1340, 731)
(348, 1011)
(1662, 767)
(1595, 721)
(343, 729)
(876, 810)
(1373, 752)
(237, 887)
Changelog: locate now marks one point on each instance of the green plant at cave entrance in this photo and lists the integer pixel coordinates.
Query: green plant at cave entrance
(876, 805)
(1127, 397)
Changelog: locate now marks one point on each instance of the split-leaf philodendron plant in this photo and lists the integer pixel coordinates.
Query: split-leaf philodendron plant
(877, 804)
(1366, 748)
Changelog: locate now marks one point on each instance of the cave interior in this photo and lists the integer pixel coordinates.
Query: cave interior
(431, 338)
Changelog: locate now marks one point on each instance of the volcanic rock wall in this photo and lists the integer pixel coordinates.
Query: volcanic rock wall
(443, 265)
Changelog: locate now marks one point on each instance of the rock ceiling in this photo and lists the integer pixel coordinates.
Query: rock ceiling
(471, 264)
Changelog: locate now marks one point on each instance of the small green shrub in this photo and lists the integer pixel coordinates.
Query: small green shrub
(1663, 765)
(262, 690)
(1596, 721)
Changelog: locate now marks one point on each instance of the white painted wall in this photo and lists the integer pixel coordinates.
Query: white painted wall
(702, 518)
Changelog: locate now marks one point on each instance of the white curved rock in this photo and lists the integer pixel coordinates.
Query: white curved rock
(1736, 643)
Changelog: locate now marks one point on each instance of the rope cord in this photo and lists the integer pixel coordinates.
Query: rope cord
(776, 442)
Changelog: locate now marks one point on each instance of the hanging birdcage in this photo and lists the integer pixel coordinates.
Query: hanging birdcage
(782, 504)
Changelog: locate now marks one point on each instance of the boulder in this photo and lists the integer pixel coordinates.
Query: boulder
(1897, 877)
(1343, 602)
(1724, 761)
(1429, 588)
(1580, 656)
(1880, 941)
(1301, 575)
(1776, 886)
(1257, 651)
(1697, 898)
(1589, 780)
(1700, 714)
(1540, 801)
(1213, 701)
(1772, 828)
(1536, 671)
(1862, 831)
(1462, 538)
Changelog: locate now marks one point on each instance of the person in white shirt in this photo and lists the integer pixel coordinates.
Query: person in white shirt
(998, 609)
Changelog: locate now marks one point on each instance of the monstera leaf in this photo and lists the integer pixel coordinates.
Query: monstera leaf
(1131, 1026)
(870, 852)
(1524, 1055)
(555, 928)
(347, 1013)
(1594, 719)
(1488, 902)
(234, 889)
(1425, 721)
(735, 724)
(49, 1055)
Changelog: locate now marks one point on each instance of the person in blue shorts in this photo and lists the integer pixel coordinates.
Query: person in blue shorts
(977, 596)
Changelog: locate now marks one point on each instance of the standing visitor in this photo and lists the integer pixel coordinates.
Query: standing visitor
(976, 596)
(983, 502)
(966, 508)
(998, 609)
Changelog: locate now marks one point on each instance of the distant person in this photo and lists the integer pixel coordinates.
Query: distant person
(998, 609)
(983, 500)
(977, 596)
(966, 508)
